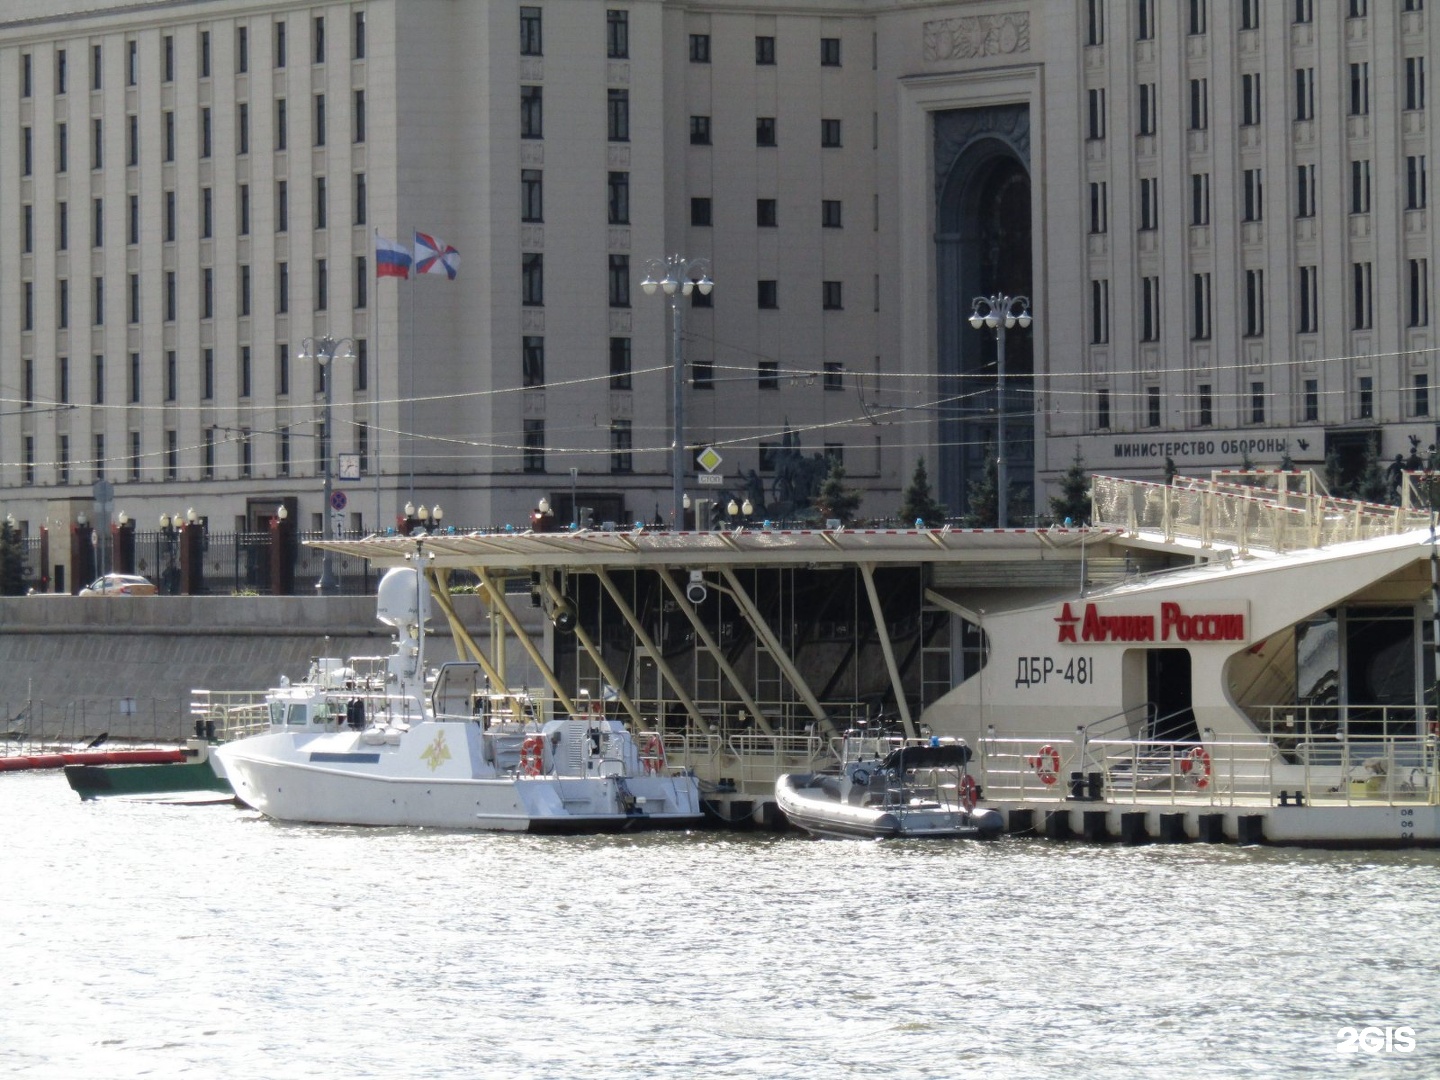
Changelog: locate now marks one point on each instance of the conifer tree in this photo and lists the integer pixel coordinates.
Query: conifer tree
(1335, 481)
(1372, 485)
(984, 493)
(834, 499)
(1073, 503)
(919, 505)
(12, 561)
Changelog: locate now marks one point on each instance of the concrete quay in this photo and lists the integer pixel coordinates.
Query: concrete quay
(76, 666)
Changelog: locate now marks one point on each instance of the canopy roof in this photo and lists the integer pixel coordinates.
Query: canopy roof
(524, 550)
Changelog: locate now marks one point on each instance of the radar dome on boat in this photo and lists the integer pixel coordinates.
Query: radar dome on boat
(398, 601)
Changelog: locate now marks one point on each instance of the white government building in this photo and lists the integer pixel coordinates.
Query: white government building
(1218, 210)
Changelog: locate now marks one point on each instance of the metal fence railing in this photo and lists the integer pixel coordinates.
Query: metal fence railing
(31, 725)
(233, 563)
(1214, 512)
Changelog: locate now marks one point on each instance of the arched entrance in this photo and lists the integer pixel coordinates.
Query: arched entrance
(982, 247)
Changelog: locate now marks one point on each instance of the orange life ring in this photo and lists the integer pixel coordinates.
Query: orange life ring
(1046, 764)
(652, 754)
(1198, 766)
(969, 792)
(532, 755)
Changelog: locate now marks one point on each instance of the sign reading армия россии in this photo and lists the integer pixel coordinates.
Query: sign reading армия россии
(1168, 621)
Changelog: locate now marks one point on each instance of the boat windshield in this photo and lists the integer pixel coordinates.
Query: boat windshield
(942, 756)
(868, 745)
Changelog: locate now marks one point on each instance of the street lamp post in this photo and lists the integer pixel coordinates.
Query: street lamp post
(681, 277)
(323, 351)
(1000, 313)
(169, 526)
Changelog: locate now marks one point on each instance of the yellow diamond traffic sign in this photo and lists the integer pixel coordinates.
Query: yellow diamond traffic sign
(709, 459)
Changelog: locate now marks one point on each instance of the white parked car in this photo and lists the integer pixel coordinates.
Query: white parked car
(120, 585)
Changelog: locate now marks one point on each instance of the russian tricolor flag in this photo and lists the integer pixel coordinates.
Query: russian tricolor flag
(392, 259)
(434, 256)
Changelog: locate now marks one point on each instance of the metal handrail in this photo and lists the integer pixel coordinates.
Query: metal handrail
(1389, 770)
(1216, 512)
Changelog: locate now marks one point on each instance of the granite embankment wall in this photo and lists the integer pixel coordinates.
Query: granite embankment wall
(79, 666)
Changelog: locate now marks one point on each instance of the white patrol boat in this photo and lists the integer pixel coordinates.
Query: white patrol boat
(361, 745)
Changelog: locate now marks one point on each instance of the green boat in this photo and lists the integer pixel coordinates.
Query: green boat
(190, 780)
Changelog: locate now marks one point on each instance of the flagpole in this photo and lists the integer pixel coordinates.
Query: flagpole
(410, 368)
(375, 391)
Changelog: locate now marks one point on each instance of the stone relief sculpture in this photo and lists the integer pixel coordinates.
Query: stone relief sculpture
(976, 36)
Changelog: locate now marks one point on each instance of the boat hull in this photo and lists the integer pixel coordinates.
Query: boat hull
(822, 815)
(341, 782)
(99, 781)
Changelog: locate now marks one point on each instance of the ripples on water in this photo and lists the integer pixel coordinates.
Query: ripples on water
(156, 941)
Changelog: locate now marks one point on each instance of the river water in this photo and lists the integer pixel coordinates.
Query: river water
(141, 940)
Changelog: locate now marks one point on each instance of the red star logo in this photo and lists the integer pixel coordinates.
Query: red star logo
(1067, 621)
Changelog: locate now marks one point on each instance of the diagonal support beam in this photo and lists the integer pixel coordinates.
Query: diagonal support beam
(497, 597)
(867, 571)
(461, 634)
(710, 643)
(782, 658)
(588, 644)
(655, 654)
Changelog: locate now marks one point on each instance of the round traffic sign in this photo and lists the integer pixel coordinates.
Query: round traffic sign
(337, 500)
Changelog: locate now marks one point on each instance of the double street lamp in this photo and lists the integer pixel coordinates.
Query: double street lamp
(1000, 313)
(170, 527)
(323, 350)
(681, 277)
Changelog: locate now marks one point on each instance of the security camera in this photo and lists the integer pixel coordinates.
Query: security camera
(563, 615)
(696, 592)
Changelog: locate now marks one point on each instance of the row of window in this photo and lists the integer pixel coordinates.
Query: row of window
(617, 123)
(171, 376)
(279, 53)
(767, 292)
(1252, 189)
(320, 214)
(205, 140)
(207, 294)
(532, 203)
(622, 446)
(1307, 314)
(533, 454)
(1196, 15)
(765, 131)
(243, 438)
(617, 40)
(532, 368)
(1148, 100)
(1203, 413)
